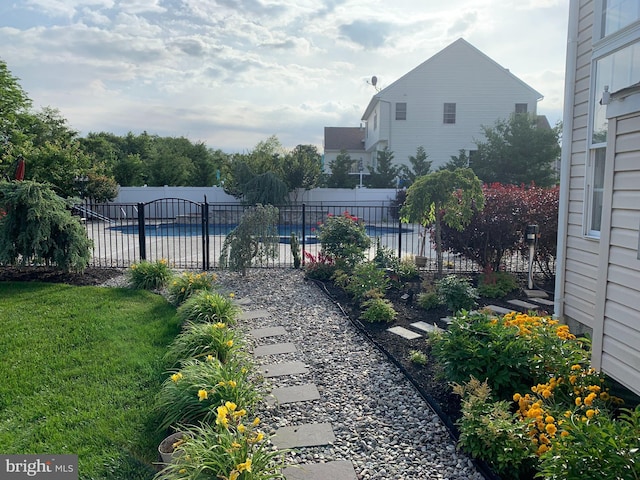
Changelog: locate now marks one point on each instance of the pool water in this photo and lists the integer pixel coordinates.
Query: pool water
(284, 231)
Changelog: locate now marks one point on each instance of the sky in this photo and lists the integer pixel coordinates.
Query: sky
(232, 73)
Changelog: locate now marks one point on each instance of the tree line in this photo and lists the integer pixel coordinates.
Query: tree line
(514, 151)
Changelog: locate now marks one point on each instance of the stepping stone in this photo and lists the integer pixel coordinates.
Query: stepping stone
(424, 326)
(498, 310)
(267, 332)
(275, 349)
(243, 302)
(338, 470)
(523, 304)
(281, 369)
(543, 301)
(448, 320)
(253, 314)
(299, 393)
(307, 435)
(403, 332)
(535, 294)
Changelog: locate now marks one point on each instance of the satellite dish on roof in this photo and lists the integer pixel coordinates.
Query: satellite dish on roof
(374, 80)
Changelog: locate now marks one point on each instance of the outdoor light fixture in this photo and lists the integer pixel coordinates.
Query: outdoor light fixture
(531, 236)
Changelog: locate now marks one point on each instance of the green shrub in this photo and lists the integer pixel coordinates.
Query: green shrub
(417, 357)
(211, 307)
(37, 227)
(199, 340)
(491, 432)
(428, 300)
(233, 448)
(378, 310)
(185, 284)
(345, 239)
(149, 275)
(407, 269)
(295, 249)
(193, 393)
(366, 280)
(496, 284)
(456, 293)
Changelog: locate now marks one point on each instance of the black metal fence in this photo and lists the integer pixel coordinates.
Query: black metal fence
(190, 235)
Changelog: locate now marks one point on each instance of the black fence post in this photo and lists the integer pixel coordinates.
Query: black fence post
(399, 237)
(205, 235)
(304, 230)
(142, 240)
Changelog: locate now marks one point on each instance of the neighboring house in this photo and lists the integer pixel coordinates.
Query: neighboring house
(598, 273)
(349, 139)
(440, 105)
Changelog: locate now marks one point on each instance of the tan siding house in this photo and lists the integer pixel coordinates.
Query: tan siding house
(598, 278)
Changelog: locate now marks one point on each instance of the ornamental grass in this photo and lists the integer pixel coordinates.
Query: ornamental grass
(186, 284)
(201, 340)
(192, 393)
(211, 307)
(231, 448)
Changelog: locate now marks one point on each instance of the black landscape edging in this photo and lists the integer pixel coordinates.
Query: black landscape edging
(480, 465)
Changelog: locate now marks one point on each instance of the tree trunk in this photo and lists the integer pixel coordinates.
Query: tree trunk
(438, 228)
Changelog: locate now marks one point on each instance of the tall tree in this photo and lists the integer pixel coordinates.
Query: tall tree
(340, 168)
(386, 173)
(517, 151)
(420, 165)
(457, 161)
(14, 106)
(302, 168)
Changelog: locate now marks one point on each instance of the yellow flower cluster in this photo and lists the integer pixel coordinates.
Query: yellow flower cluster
(527, 324)
(176, 376)
(543, 427)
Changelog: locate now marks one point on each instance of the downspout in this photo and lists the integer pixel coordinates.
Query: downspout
(565, 159)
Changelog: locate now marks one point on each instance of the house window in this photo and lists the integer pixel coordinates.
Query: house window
(521, 108)
(615, 64)
(401, 111)
(596, 191)
(617, 14)
(449, 113)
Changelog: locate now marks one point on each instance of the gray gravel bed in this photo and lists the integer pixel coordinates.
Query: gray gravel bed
(380, 421)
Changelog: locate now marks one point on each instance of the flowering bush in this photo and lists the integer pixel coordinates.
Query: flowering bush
(149, 275)
(185, 284)
(456, 293)
(564, 425)
(232, 448)
(206, 306)
(345, 239)
(512, 352)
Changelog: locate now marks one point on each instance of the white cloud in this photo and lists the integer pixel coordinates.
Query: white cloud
(233, 72)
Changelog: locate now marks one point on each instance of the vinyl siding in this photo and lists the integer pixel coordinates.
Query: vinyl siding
(620, 337)
(581, 263)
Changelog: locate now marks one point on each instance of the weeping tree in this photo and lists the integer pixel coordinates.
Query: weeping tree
(255, 238)
(443, 197)
(36, 227)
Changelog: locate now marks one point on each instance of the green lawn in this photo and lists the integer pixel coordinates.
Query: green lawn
(80, 368)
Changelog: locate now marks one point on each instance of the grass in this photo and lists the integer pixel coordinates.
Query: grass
(80, 370)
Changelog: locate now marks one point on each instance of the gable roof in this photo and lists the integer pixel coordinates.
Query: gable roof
(449, 50)
(347, 138)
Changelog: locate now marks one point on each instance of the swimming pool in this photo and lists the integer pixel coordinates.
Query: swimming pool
(284, 231)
